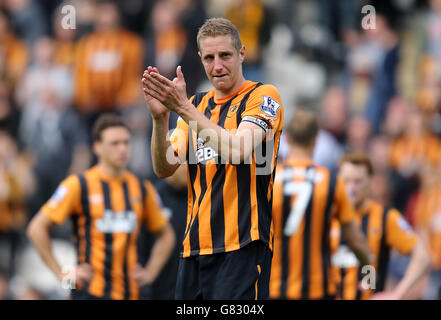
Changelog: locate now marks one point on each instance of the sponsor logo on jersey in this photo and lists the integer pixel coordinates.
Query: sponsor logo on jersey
(95, 198)
(203, 152)
(112, 222)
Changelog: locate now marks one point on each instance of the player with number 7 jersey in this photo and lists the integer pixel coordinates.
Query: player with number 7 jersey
(306, 196)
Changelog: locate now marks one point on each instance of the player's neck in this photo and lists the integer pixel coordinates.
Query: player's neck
(360, 206)
(110, 170)
(300, 153)
(239, 84)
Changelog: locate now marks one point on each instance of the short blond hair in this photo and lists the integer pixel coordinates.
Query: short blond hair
(215, 27)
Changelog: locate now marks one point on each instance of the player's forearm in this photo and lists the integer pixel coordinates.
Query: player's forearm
(40, 238)
(418, 266)
(232, 147)
(357, 243)
(161, 251)
(164, 161)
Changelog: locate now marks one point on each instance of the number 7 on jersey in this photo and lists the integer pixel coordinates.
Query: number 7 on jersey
(302, 191)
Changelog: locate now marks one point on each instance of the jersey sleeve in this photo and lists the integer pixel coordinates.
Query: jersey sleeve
(399, 234)
(334, 235)
(154, 217)
(65, 201)
(264, 108)
(179, 138)
(343, 208)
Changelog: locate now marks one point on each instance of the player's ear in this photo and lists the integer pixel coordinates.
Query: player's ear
(242, 53)
(96, 147)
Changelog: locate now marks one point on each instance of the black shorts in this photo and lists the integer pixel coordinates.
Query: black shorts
(243, 274)
(84, 295)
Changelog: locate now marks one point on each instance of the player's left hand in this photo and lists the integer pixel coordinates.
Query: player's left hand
(142, 276)
(172, 94)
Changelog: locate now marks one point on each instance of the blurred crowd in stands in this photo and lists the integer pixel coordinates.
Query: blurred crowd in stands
(376, 90)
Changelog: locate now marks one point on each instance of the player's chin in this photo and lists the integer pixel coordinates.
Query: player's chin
(121, 163)
(221, 83)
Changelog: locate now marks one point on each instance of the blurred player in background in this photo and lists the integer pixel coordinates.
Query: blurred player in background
(107, 204)
(385, 229)
(306, 197)
(228, 241)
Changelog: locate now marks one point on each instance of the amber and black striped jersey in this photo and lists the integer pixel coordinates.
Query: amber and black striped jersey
(428, 217)
(384, 229)
(250, 18)
(12, 200)
(425, 148)
(229, 205)
(64, 54)
(306, 197)
(106, 213)
(107, 68)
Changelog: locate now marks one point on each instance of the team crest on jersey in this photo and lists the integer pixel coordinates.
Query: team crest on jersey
(232, 110)
(269, 106)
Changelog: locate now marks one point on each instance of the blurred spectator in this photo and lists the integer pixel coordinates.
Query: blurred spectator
(108, 64)
(427, 217)
(169, 44)
(378, 150)
(410, 153)
(358, 133)
(433, 30)
(396, 118)
(328, 151)
(13, 53)
(333, 112)
(169, 38)
(254, 22)
(139, 121)
(9, 115)
(341, 18)
(16, 183)
(64, 40)
(192, 16)
(417, 148)
(49, 129)
(332, 117)
(28, 19)
(134, 13)
(384, 76)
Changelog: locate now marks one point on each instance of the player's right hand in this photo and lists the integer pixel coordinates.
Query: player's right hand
(83, 273)
(157, 109)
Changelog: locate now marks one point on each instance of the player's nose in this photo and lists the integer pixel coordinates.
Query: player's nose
(218, 66)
